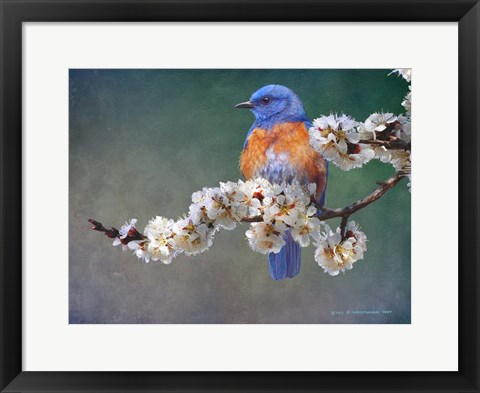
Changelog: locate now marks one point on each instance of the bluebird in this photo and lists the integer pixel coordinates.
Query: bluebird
(278, 149)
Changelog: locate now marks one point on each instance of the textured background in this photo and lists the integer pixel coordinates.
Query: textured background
(141, 141)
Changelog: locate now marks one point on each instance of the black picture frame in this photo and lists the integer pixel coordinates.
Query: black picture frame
(14, 12)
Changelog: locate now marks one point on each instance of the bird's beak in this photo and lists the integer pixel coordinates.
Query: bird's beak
(246, 104)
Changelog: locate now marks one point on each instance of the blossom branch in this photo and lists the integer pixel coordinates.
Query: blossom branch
(279, 208)
(347, 211)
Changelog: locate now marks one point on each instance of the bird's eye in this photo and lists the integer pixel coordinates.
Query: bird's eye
(266, 100)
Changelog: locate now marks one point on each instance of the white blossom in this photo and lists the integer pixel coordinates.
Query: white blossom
(161, 245)
(287, 203)
(224, 205)
(220, 206)
(402, 128)
(336, 138)
(266, 237)
(139, 249)
(125, 228)
(198, 210)
(330, 134)
(400, 159)
(405, 73)
(379, 152)
(234, 197)
(283, 209)
(306, 226)
(364, 134)
(407, 102)
(379, 121)
(254, 193)
(190, 237)
(335, 255)
(362, 154)
(156, 226)
(117, 242)
(352, 229)
(382, 153)
(399, 126)
(124, 231)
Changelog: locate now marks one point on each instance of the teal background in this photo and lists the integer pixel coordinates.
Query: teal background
(141, 141)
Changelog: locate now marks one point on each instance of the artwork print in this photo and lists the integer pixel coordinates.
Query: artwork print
(230, 196)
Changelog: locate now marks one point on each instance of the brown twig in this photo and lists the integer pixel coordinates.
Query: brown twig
(375, 195)
(98, 226)
(112, 233)
(394, 144)
(253, 219)
(343, 224)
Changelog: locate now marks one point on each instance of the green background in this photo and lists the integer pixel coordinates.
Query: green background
(141, 141)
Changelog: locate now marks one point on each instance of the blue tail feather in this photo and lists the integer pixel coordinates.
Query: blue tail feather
(286, 263)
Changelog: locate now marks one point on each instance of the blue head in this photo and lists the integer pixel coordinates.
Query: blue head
(274, 104)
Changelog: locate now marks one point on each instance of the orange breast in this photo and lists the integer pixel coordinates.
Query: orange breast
(253, 157)
(287, 138)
